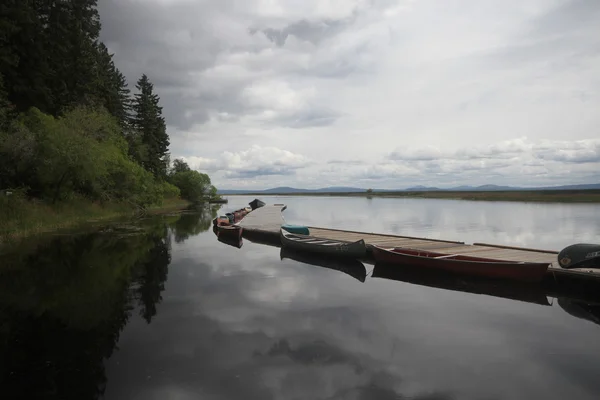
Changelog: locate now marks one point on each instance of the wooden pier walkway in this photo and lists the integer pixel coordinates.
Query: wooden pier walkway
(267, 220)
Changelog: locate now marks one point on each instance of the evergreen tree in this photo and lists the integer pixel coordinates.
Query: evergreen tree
(23, 54)
(72, 30)
(150, 129)
(111, 86)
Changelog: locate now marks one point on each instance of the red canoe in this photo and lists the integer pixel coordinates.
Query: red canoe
(231, 231)
(463, 264)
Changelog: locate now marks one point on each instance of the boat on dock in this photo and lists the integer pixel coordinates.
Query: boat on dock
(349, 266)
(463, 264)
(357, 249)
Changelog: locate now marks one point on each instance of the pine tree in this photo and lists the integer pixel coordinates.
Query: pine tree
(72, 30)
(150, 128)
(111, 87)
(23, 54)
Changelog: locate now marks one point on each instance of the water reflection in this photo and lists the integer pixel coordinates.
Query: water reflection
(194, 319)
(64, 301)
(581, 309)
(354, 268)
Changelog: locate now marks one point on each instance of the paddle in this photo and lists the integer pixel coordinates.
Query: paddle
(580, 255)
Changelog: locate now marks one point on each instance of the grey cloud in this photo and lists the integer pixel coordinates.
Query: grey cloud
(175, 44)
(312, 31)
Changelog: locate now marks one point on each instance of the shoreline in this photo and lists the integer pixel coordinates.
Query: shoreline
(536, 196)
(53, 219)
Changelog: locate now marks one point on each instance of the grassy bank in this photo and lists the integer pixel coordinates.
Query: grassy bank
(34, 217)
(556, 196)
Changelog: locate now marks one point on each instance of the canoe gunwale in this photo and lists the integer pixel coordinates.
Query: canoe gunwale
(476, 266)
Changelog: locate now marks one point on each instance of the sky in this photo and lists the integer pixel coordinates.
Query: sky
(370, 93)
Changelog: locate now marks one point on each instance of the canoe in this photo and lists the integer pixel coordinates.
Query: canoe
(349, 266)
(230, 241)
(256, 203)
(463, 264)
(231, 231)
(581, 255)
(302, 230)
(221, 220)
(313, 244)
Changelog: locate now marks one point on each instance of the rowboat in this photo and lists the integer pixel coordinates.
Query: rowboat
(463, 264)
(349, 266)
(313, 244)
(231, 231)
(221, 220)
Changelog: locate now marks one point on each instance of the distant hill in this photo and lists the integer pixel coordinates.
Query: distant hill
(419, 188)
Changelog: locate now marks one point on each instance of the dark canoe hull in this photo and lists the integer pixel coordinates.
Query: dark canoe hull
(580, 255)
(229, 232)
(313, 244)
(475, 266)
(349, 266)
(256, 203)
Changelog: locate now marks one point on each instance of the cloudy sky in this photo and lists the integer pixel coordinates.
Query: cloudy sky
(371, 93)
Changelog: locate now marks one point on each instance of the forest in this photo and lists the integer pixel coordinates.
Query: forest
(72, 132)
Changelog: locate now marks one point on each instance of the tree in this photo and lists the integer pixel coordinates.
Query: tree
(192, 184)
(180, 166)
(111, 87)
(150, 127)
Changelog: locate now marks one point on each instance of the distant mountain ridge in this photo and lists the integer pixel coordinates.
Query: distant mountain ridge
(419, 188)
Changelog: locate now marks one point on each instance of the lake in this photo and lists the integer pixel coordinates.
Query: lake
(159, 309)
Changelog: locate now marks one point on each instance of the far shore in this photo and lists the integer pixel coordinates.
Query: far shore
(555, 196)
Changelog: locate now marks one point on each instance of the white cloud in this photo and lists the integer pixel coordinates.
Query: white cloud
(416, 92)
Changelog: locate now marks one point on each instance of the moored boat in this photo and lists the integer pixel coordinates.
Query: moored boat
(256, 203)
(229, 231)
(221, 220)
(580, 255)
(463, 264)
(313, 244)
(300, 229)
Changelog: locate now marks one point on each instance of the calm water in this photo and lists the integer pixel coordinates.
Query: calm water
(162, 310)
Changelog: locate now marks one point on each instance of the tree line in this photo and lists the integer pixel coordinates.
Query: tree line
(69, 125)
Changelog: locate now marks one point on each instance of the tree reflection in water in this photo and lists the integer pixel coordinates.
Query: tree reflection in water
(65, 299)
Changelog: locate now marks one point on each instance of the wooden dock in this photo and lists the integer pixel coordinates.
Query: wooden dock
(266, 222)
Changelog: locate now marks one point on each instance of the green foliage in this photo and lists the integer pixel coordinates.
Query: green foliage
(193, 185)
(180, 166)
(82, 153)
(69, 130)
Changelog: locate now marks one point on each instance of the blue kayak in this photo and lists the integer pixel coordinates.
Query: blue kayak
(298, 229)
